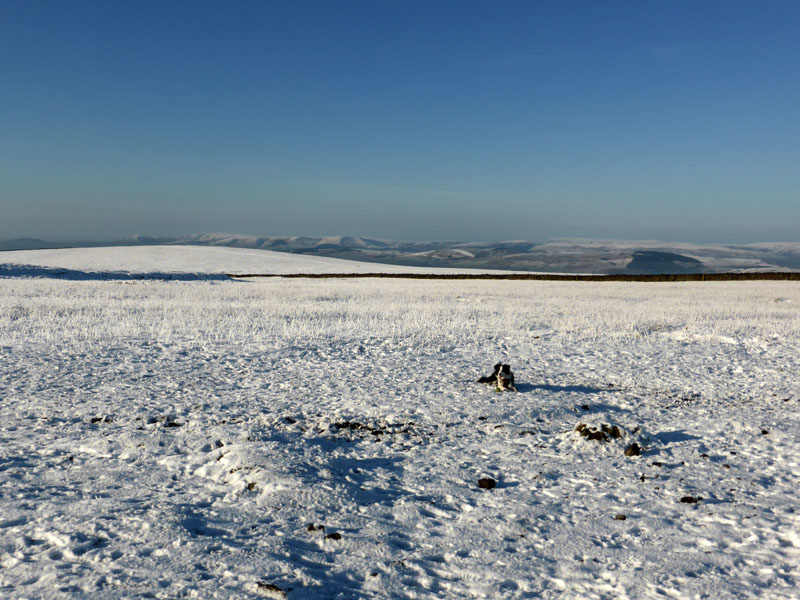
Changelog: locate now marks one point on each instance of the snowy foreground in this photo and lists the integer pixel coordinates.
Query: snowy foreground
(325, 439)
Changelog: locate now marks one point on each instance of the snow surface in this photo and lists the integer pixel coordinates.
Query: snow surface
(325, 438)
(164, 260)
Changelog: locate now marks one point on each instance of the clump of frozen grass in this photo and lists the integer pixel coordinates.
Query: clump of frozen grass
(403, 312)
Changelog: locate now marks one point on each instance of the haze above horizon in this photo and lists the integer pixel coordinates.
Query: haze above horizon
(401, 120)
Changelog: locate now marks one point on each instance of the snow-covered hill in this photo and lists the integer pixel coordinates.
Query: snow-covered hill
(558, 255)
(79, 263)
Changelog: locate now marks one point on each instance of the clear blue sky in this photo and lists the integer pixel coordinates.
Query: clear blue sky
(673, 120)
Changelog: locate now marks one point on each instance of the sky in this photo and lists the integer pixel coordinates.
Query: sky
(419, 120)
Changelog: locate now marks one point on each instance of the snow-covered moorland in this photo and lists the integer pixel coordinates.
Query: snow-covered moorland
(325, 439)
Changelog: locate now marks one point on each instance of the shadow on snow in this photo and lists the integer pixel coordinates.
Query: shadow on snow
(574, 389)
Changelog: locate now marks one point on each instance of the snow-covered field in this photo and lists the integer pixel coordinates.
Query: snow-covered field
(325, 439)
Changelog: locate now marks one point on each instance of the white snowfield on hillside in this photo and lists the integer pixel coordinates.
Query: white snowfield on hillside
(199, 260)
(325, 439)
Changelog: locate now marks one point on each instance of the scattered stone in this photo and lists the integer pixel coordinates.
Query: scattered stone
(334, 536)
(691, 499)
(270, 590)
(251, 487)
(353, 425)
(726, 466)
(603, 434)
(656, 463)
(764, 431)
(633, 450)
(290, 420)
(376, 430)
(586, 407)
(704, 455)
(620, 517)
(591, 432)
(312, 527)
(486, 483)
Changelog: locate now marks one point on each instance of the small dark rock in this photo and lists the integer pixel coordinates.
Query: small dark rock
(97, 419)
(597, 436)
(612, 430)
(633, 450)
(580, 426)
(586, 407)
(353, 426)
(290, 420)
(334, 536)
(691, 499)
(486, 483)
(656, 463)
(273, 590)
(764, 431)
(620, 517)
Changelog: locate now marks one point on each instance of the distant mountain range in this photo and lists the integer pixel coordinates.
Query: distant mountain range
(553, 256)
